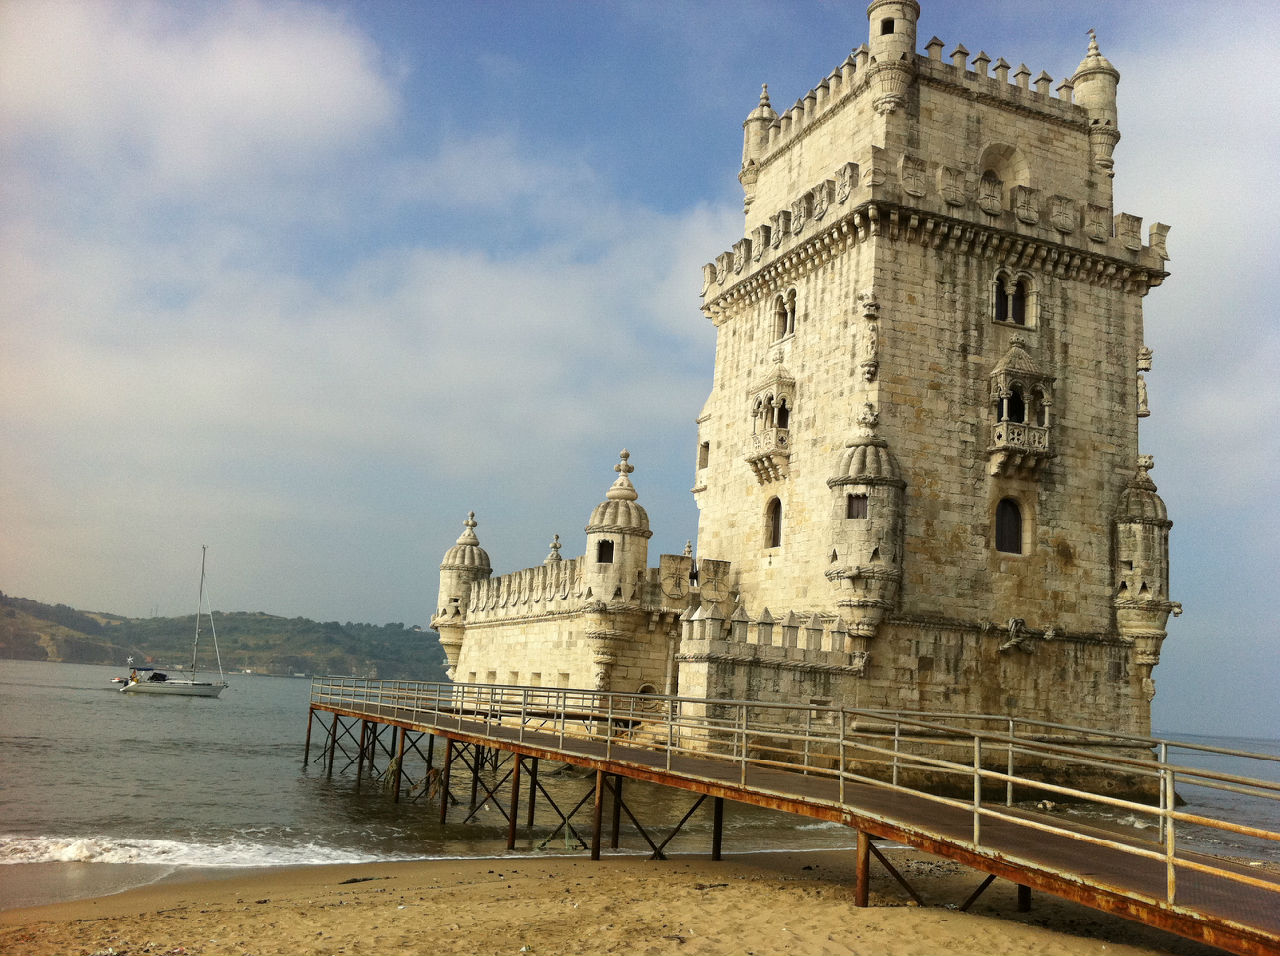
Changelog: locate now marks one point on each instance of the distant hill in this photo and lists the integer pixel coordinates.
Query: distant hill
(262, 643)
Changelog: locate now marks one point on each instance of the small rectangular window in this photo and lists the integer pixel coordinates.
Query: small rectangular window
(856, 506)
(513, 677)
(535, 679)
(471, 677)
(562, 679)
(886, 26)
(704, 454)
(491, 677)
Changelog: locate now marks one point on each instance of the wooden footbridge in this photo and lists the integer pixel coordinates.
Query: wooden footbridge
(963, 787)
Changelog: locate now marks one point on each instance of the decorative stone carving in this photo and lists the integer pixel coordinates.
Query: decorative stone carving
(1096, 224)
(870, 362)
(741, 254)
(991, 194)
(1144, 359)
(708, 277)
(1026, 204)
(759, 241)
(1144, 410)
(912, 176)
(780, 226)
(846, 181)
(823, 194)
(724, 265)
(1157, 237)
(800, 213)
(951, 185)
(1129, 231)
(1062, 214)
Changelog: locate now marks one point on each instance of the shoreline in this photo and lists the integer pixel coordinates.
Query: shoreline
(761, 902)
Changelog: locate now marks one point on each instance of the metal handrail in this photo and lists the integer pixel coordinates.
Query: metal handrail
(833, 742)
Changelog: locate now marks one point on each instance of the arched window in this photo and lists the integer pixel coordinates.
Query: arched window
(779, 317)
(1018, 304)
(1041, 406)
(1008, 527)
(1015, 406)
(855, 506)
(1013, 300)
(773, 524)
(783, 414)
(604, 552)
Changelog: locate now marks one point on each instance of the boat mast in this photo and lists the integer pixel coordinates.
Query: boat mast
(199, 607)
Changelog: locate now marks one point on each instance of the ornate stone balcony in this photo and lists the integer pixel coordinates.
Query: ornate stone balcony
(768, 454)
(1018, 448)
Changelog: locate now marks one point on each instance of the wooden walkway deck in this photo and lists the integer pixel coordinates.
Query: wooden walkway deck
(1235, 906)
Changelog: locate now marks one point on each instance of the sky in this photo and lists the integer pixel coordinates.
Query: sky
(306, 282)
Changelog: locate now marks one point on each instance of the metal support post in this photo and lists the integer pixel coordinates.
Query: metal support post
(515, 805)
(717, 827)
(444, 778)
(616, 822)
(399, 765)
(862, 870)
(596, 815)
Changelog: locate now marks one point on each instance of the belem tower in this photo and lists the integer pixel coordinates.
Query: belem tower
(918, 470)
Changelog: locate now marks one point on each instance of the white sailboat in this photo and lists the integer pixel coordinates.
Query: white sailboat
(148, 680)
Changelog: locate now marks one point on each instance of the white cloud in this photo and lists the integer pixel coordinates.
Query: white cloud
(192, 95)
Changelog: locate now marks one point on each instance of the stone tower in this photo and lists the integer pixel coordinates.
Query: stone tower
(464, 564)
(922, 436)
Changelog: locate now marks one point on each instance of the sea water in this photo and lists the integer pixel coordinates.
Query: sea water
(100, 791)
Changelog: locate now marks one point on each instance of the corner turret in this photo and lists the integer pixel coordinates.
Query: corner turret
(867, 526)
(1142, 569)
(617, 541)
(892, 46)
(755, 137)
(464, 564)
(1095, 83)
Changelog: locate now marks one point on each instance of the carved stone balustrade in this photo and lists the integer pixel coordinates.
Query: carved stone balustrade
(768, 454)
(1018, 448)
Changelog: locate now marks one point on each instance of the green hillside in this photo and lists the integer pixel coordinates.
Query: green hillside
(262, 643)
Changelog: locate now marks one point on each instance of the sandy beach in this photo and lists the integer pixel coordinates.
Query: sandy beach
(767, 903)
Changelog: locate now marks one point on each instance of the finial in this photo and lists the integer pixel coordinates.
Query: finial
(1146, 462)
(764, 94)
(555, 551)
(622, 489)
(468, 535)
(1093, 43)
(1017, 341)
(688, 549)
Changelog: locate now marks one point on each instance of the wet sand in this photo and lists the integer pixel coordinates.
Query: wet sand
(763, 903)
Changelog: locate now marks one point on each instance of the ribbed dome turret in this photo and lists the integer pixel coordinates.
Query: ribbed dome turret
(619, 511)
(867, 459)
(1094, 61)
(1139, 503)
(764, 111)
(466, 554)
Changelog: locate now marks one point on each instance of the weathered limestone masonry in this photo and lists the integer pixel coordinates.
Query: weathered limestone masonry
(918, 470)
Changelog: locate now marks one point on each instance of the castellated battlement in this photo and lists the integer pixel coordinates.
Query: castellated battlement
(793, 641)
(944, 206)
(986, 79)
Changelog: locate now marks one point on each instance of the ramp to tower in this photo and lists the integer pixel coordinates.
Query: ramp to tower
(977, 789)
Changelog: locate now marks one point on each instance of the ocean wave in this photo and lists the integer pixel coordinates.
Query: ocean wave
(236, 853)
